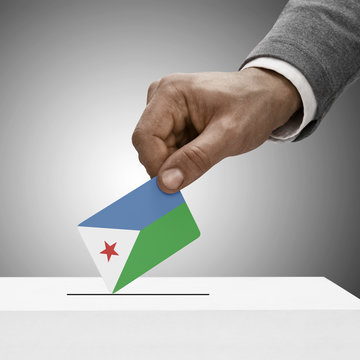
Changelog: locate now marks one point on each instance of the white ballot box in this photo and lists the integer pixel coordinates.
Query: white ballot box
(178, 318)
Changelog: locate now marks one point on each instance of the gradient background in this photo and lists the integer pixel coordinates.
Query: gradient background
(73, 81)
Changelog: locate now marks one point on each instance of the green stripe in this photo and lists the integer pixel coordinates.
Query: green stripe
(157, 242)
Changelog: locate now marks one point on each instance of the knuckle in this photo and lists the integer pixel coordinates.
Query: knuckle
(197, 157)
(171, 78)
(229, 126)
(152, 87)
(137, 137)
(166, 84)
(170, 83)
(236, 135)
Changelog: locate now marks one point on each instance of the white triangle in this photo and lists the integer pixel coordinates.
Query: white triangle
(95, 238)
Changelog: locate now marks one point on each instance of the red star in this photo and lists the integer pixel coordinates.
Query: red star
(109, 250)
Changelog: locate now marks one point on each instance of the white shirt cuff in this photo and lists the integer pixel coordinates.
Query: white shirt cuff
(296, 123)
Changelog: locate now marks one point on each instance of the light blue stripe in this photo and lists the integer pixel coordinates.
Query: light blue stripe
(137, 209)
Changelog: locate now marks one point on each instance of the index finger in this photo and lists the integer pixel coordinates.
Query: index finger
(152, 137)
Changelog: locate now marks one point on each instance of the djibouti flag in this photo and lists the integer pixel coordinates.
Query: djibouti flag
(137, 232)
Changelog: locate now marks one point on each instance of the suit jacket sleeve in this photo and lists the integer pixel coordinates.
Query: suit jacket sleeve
(321, 38)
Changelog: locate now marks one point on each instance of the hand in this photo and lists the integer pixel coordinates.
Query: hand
(192, 121)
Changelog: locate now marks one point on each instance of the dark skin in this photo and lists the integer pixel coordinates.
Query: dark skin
(193, 121)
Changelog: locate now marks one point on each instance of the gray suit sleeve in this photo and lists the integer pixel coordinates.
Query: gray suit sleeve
(321, 38)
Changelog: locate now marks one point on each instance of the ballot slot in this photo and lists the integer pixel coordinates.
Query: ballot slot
(160, 294)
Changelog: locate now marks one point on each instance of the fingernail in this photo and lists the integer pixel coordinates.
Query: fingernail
(172, 178)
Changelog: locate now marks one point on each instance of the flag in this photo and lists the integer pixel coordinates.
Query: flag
(137, 232)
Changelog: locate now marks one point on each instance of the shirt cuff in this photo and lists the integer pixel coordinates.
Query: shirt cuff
(298, 121)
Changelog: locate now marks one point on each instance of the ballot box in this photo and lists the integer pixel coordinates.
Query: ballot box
(178, 318)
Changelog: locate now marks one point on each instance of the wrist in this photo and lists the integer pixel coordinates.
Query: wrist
(282, 94)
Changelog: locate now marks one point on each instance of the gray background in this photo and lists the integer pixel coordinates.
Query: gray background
(73, 81)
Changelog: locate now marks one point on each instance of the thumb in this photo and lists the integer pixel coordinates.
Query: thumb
(192, 160)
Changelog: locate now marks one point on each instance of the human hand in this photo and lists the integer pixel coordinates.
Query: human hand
(192, 121)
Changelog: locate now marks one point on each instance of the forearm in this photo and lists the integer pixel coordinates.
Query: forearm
(321, 38)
